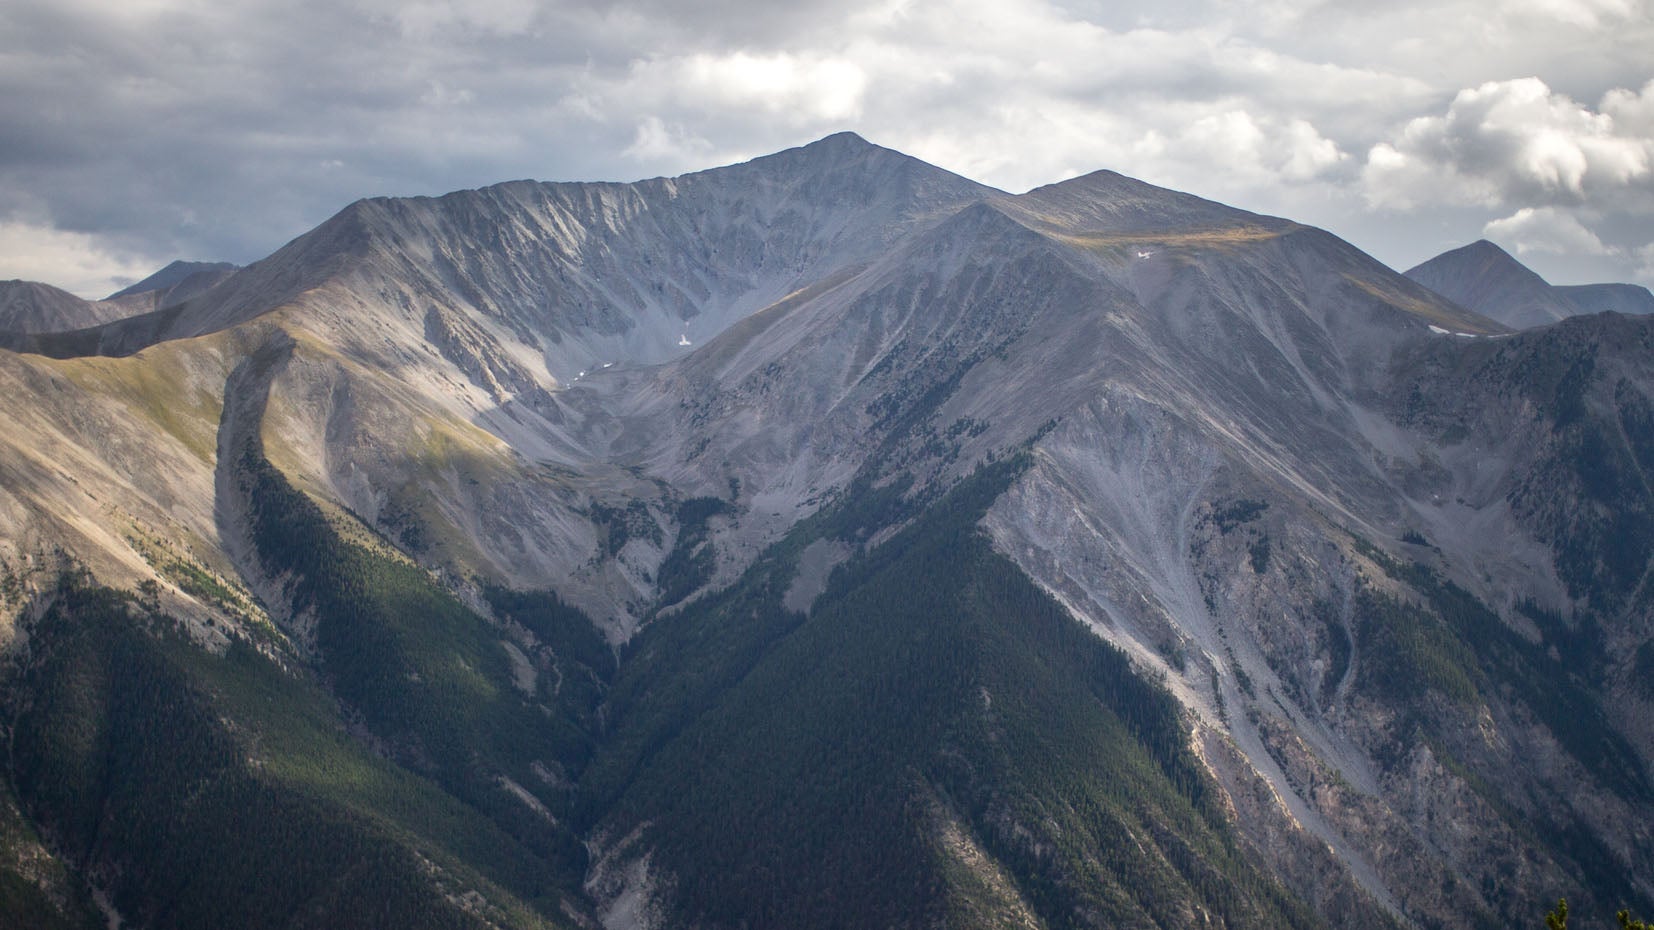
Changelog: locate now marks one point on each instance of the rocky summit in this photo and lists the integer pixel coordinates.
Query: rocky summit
(824, 541)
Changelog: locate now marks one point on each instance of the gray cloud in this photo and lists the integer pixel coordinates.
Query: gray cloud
(134, 134)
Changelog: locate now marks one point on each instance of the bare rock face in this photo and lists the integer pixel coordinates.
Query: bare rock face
(1386, 554)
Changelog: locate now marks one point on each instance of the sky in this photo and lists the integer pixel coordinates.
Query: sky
(135, 132)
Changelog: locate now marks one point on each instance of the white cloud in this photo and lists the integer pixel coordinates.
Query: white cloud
(1509, 142)
(1241, 150)
(1230, 135)
(1632, 111)
(805, 87)
(1308, 152)
(77, 262)
(1545, 229)
(655, 141)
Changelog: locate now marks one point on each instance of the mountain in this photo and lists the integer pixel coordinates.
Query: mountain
(175, 274)
(29, 310)
(825, 540)
(1487, 279)
(178, 281)
(1609, 298)
(31, 307)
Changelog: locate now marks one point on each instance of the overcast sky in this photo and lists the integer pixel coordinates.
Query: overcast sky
(133, 132)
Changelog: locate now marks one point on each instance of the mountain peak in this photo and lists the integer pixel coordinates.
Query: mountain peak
(172, 275)
(844, 139)
(1110, 201)
(1488, 254)
(1485, 278)
(1486, 247)
(837, 151)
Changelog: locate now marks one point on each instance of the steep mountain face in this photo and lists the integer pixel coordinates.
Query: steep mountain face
(828, 541)
(1488, 280)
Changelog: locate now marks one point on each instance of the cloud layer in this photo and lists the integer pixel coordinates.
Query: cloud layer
(135, 133)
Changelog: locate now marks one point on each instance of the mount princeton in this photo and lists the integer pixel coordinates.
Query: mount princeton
(821, 541)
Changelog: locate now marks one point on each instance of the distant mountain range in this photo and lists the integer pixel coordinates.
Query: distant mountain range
(178, 281)
(1486, 279)
(30, 308)
(826, 541)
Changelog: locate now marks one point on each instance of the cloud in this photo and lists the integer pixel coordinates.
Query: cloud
(76, 262)
(218, 130)
(1545, 229)
(1585, 13)
(1012, 94)
(1508, 142)
(656, 141)
(805, 90)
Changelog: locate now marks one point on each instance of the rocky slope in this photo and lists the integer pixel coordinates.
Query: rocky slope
(1323, 598)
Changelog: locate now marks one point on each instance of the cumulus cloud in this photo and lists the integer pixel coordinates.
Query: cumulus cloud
(799, 89)
(655, 141)
(1243, 149)
(1545, 229)
(1515, 141)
